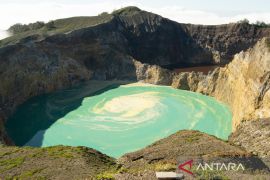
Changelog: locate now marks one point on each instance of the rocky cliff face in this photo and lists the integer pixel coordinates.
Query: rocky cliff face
(225, 41)
(159, 41)
(243, 84)
(254, 136)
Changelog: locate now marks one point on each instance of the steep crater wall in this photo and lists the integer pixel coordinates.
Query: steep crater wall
(243, 84)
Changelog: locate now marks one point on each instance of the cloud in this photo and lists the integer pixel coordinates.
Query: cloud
(12, 13)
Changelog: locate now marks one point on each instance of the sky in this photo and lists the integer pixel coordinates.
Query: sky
(208, 12)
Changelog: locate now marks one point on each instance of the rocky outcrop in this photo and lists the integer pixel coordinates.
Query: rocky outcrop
(254, 136)
(153, 74)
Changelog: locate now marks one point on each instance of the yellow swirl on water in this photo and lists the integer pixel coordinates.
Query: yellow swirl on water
(129, 106)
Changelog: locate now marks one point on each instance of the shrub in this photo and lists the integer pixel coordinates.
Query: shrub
(243, 21)
(103, 14)
(36, 25)
(50, 25)
(261, 24)
(19, 28)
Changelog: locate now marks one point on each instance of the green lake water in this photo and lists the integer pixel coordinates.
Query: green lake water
(117, 119)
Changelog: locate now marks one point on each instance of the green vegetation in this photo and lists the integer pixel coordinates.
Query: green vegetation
(243, 21)
(165, 166)
(103, 14)
(259, 24)
(63, 152)
(39, 163)
(208, 174)
(7, 164)
(106, 176)
(19, 28)
(29, 174)
(41, 30)
(109, 175)
(192, 138)
(159, 166)
(50, 25)
(5, 153)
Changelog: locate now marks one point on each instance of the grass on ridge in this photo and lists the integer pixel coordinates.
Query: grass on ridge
(60, 26)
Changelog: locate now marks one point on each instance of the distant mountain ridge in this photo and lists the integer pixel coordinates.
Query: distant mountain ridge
(153, 39)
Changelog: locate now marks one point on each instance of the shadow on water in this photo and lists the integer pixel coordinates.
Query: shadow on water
(38, 113)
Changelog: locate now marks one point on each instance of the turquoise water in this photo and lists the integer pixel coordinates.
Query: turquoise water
(117, 120)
